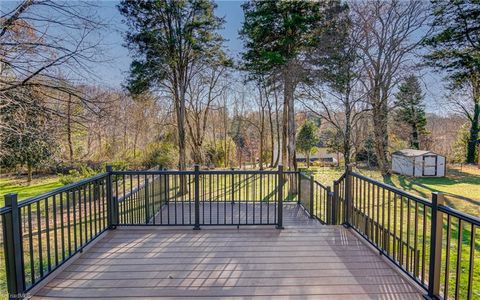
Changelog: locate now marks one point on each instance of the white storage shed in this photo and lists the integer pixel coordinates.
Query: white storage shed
(418, 163)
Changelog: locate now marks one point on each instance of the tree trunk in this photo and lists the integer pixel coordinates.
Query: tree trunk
(289, 87)
(272, 138)
(415, 142)
(308, 160)
(473, 139)
(380, 113)
(348, 132)
(69, 128)
(29, 173)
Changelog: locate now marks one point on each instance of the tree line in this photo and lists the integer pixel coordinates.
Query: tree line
(348, 73)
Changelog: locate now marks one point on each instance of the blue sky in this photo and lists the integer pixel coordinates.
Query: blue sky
(114, 72)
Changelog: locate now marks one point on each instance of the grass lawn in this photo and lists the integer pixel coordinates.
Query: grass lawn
(19, 185)
(461, 186)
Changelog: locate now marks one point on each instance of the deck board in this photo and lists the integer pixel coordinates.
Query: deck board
(305, 260)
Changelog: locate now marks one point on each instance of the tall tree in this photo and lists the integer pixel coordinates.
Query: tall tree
(169, 38)
(410, 109)
(455, 48)
(276, 36)
(28, 139)
(386, 33)
(334, 93)
(307, 139)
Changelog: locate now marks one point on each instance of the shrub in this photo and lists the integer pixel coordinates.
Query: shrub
(161, 154)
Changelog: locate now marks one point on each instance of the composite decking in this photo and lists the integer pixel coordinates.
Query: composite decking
(305, 260)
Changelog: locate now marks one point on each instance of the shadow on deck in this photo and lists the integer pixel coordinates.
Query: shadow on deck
(305, 260)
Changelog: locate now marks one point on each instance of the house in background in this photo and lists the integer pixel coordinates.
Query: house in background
(418, 163)
(320, 157)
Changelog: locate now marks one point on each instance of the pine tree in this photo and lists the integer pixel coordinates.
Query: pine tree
(307, 139)
(168, 39)
(27, 139)
(455, 49)
(410, 109)
(277, 34)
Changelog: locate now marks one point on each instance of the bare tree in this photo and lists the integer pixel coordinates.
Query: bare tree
(42, 39)
(386, 35)
(202, 93)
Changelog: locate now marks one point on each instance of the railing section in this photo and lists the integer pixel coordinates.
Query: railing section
(199, 197)
(316, 199)
(41, 233)
(437, 246)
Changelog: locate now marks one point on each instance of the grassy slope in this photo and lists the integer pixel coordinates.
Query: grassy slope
(461, 186)
(20, 186)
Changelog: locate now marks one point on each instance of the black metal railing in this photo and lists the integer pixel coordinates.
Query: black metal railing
(435, 245)
(317, 199)
(42, 233)
(199, 197)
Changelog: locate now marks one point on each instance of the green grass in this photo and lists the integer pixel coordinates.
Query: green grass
(461, 186)
(24, 190)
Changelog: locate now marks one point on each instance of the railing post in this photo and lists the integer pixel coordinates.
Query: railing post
(233, 186)
(280, 181)
(312, 190)
(348, 195)
(147, 209)
(197, 198)
(435, 246)
(299, 188)
(110, 205)
(13, 248)
(329, 205)
(335, 203)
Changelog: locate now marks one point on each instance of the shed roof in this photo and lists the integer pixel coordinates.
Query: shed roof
(413, 152)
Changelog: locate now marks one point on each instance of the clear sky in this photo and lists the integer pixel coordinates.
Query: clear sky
(114, 72)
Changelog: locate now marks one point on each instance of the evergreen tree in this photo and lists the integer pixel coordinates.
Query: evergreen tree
(410, 109)
(27, 139)
(455, 49)
(307, 139)
(277, 35)
(169, 38)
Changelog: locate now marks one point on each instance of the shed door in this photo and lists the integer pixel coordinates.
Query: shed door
(430, 165)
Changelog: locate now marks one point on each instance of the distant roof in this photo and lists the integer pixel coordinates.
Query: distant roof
(317, 155)
(413, 152)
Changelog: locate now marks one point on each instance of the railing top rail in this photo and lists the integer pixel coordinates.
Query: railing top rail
(4, 210)
(59, 190)
(461, 215)
(191, 172)
(340, 178)
(393, 189)
(321, 185)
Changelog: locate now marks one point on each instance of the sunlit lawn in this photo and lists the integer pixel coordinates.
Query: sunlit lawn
(461, 186)
(19, 185)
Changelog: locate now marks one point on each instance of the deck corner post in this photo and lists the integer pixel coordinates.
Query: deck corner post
(312, 191)
(335, 207)
(281, 180)
(110, 205)
(147, 202)
(299, 187)
(438, 199)
(197, 197)
(233, 186)
(348, 195)
(13, 248)
(330, 207)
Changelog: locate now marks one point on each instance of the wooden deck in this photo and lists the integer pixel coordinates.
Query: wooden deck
(305, 260)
